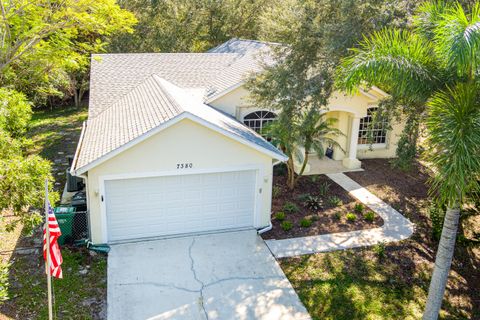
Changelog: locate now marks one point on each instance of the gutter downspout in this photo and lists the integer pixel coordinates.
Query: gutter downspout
(270, 226)
(267, 228)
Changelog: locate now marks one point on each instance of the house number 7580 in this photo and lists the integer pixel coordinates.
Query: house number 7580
(186, 165)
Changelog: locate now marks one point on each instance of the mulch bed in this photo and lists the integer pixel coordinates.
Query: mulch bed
(328, 219)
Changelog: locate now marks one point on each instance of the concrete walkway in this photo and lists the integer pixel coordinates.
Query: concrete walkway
(395, 228)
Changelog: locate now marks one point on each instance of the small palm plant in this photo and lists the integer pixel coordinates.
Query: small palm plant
(316, 131)
(436, 65)
(310, 130)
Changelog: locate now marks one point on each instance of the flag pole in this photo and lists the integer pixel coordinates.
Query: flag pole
(47, 235)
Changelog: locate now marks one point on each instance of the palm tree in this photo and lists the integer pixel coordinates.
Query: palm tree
(316, 131)
(434, 65)
(310, 130)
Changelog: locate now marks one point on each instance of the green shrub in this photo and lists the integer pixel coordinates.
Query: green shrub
(335, 201)
(305, 223)
(338, 215)
(369, 216)
(313, 203)
(280, 216)
(314, 217)
(323, 188)
(15, 112)
(359, 208)
(4, 266)
(379, 250)
(276, 190)
(351, 216)
(314, 178)
(287, 225)
(290, 207)
(303, 197)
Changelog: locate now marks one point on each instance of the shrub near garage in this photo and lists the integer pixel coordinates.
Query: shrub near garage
(290, 207)
(280, 216)
(306, 223)
(287, 225)
(351, 217)
(369, 216)
(359, 208)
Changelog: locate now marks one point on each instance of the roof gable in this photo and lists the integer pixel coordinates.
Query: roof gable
(149, 108)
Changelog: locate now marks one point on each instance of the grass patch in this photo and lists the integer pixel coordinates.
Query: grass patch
(73, 293)
(78, 295)
(342, 285)
(55, 135)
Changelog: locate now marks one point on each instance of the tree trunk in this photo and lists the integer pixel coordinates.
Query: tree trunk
(443, 262)
(291, 173)
(76, 99)
(304, 164)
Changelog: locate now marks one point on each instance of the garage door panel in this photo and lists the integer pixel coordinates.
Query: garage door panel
(158, 206)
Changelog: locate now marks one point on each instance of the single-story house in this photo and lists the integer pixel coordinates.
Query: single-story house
(172, 145)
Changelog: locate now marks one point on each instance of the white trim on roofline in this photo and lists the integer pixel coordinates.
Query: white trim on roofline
(224, 92)
(167, 124)
(77, 151)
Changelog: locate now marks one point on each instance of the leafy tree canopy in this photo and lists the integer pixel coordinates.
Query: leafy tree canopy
(43, 42)
(189, 26)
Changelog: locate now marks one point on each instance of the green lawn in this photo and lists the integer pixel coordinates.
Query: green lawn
(55, 135)
(390, 282)
(81, 293)
(355, 284)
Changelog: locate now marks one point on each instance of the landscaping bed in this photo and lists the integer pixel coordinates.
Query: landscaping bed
(390, 281)
(316, 206)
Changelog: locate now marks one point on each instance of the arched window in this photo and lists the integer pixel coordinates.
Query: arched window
(258, 120)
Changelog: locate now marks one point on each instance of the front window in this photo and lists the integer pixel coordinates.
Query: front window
(372, 133)
(258, 120)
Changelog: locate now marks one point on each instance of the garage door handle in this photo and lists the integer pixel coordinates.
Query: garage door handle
(101, 198)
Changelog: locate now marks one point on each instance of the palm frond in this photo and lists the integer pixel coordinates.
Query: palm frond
(457, 39)
(428, 16)
(453, 124)
(399, 61)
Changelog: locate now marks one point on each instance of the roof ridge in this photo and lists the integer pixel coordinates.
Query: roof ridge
(121, 98)
(158, 81)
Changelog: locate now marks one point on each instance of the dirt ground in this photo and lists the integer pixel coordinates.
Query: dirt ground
(328, 219)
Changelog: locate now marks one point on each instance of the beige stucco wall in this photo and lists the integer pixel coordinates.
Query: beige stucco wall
(341, 106)
(185, 141)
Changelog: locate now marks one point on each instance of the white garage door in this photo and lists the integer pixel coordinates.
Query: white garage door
(158, 206)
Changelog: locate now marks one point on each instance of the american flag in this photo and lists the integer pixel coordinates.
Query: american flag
(55, 255)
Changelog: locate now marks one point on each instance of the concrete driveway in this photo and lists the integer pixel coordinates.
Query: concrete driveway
(229, 275)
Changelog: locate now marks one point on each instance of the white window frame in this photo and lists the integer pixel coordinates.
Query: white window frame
(363, 130)
(262, 119)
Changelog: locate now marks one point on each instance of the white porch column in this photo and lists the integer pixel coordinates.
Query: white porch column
(351, 161)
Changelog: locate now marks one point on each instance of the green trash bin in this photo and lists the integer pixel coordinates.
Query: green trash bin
(65, 217)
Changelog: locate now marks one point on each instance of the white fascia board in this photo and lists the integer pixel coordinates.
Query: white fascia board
(237, 138)
(184, 115)
(130, 144)
(79, 146)
(220, 94)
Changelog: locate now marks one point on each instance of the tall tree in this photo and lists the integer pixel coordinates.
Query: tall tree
(317, 34)
(189, 26)
(435, 65)
(44, 43)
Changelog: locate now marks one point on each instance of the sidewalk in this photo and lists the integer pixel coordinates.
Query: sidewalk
(395, 228)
